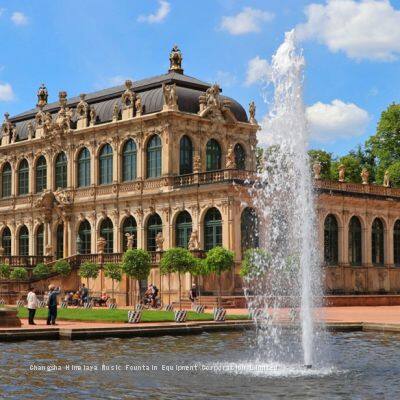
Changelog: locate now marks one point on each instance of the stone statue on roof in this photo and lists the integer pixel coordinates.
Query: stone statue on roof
(175, 60)
(42, 96)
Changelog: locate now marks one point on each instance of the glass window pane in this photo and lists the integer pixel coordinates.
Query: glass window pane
(41, 174)
(84, 168)
(154, 149)
(61, 171)
(23, 178)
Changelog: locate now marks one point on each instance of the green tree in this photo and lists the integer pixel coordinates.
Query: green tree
(89, 270)
(114, 272)
(178, 260)
(254, 263)
(136, 263)
(62, 267)
(5, 271)
(199, 270)
(394, 174)
(324, 158)
(19, 274)
(217, 261)
(41, 271)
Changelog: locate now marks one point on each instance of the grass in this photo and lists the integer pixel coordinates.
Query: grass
(107, 315)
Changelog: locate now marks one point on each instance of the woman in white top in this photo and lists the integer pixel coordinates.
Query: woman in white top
(32, 305)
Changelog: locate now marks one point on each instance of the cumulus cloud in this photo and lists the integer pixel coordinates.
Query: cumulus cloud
(6, 92)
(225, 78)
(258, 71)
(19, 18)
(159, 16)
(368, 29)
(336, 120)
(248, 20)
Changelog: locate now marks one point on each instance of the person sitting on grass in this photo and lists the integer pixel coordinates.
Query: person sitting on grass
(154, 294)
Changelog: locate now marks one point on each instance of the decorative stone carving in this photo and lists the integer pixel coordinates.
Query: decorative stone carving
(194, 241)
(342, 171)
(128, 100)
(82, 110)
(386, 179)
(170, 97)
(364, 176)
(8, 130)
(49, 249)
(64, 116)
(212, 106)
(196, 163)
(101, 245)
(252, 113)
(130, 238)
(115, 115)
(138, 106)
(42, 96)
(159, 242)
(317, 170)
(230, 158)
(92, 116)
(175, 60)
(31, 131)
(63, 197)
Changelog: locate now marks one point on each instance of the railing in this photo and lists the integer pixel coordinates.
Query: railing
(25, 261)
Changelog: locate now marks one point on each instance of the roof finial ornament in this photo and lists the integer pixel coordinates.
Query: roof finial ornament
(175, 60)
(42, 96)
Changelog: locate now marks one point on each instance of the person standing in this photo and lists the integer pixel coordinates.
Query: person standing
(32, 305)
(193, 294)
(84, 294)
(52, 304)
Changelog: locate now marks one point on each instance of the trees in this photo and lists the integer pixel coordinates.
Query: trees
(324, 158)
(352, 165)
(19, 274)
(5, 271)
(136, 264)
(217, 261)
(394, 173)
(178, 260)
(255, 262)
(62, 267)
(89, 270)
(114, 272)
(41, 271)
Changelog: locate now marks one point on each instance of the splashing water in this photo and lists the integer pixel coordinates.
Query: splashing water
(284, 283)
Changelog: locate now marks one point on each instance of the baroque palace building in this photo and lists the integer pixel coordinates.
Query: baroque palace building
(166, 162)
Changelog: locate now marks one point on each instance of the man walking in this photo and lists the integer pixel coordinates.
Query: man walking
(52, 304)
(32, 305)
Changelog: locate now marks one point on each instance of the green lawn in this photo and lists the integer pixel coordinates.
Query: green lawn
(106, 315)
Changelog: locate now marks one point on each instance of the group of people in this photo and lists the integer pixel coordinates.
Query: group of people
(77, 298)
(33, 304)
(150, 296)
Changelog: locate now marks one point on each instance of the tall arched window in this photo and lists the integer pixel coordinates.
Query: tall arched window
(6, 177)
(377, 238)
(331, 233)
(85, 236)
(396, 243)
(249, 227)
(154, 226)
(185, 156)
(6, 241)
(41, 174)
(107, 232)
(355, 253)
(106, 165)
(212, 229)
(129, 161)
(84, 168)
(60, 171)
(183, 229)
(240, 156)
(60, 241)
(40, 240)
(23, 241)
(23, 177)
(213, 155)
(154, 149)
(129, 227)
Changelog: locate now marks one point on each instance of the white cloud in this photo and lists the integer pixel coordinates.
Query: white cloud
(225, 79)
(248, 20)
(159, 16)
(258, 71)
(337, 120)
(367, 29)
(19, 18)
(6, 92)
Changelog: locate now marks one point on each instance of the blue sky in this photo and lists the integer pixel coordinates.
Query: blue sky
(352, 50)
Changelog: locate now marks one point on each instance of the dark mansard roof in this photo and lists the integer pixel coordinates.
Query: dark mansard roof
(188, 90)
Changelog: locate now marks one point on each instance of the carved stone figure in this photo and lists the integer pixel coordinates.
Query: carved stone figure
(31, 131)
(128, 97)
(212, 96)
(170, 97)
(8, 129)
(317, 170)
(230, 158)
(252, 113)
(342, 170)
(115, 116)
(196, 164)
(130, 238)
(138, 106)
(364, 176)
(42, 96)
(92, 116)
(175, 60)
(82, 107)
(101, 245)
(386, 179)
(63, 197)
(194, 241)
(49, 249)
(159, 242)
(62, 98)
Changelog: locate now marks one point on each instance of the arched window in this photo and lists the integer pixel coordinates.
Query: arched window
(61, 171)
(6, 241)
(85, 236)
(183, 229)
(240, 157)
(213, 155)
(331, 233)
(23, 177)
(212, 229)
(129, 161)
(377, 238)
(396, 242)
(154, 226)
(84, 168)
(355, 253)
(40, 240)
(23, 241)
(107, 232)
(41, 174)
(154, 157)
(60, 241)
(6, 177)
(129, 227)
(185, 156)
(249, 227)
(106, 165)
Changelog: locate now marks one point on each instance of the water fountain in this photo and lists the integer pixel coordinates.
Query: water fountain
(285, 273)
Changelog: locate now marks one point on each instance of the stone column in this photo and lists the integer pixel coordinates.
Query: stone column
(166, 156)
(71, 168)
(31, 175)
(14, 180)
(94, 168)
(14, 239)
(366, 241)
(66, 237)
(50, 184)
(389, 250)
(116, 161)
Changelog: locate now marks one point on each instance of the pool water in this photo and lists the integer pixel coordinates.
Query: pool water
(358, 365)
